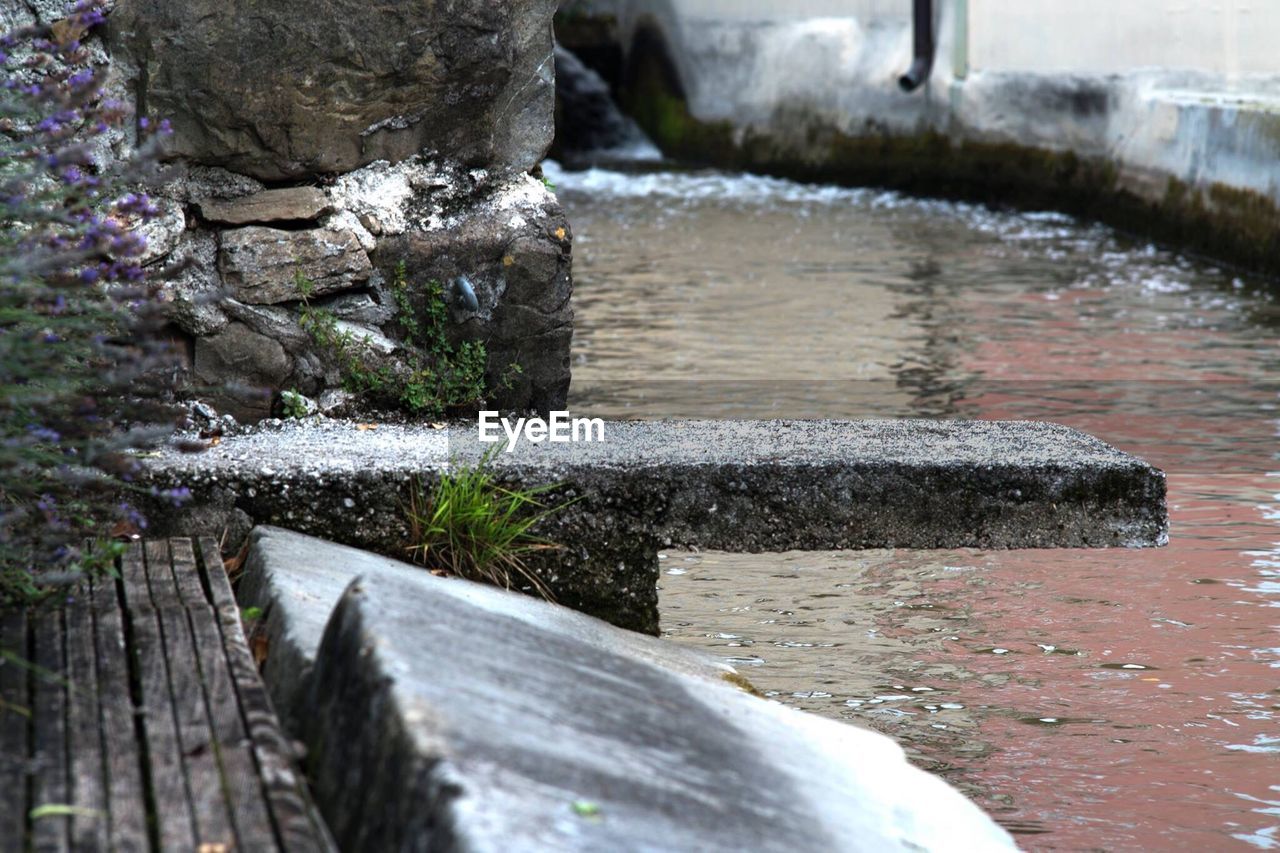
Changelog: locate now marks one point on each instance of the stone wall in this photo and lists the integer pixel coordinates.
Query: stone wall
(318, 147)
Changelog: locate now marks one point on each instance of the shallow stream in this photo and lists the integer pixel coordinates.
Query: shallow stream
(1109, 699)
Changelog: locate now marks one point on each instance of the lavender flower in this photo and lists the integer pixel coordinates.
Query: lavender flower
(71, 307)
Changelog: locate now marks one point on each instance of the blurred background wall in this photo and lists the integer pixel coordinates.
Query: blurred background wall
(1159, 116)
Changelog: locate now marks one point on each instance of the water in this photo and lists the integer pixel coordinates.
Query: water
(1087, 699)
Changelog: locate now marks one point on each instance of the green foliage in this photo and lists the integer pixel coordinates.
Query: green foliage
(548, 183)
(435, 375)
(293, 404)
(473, 527)
(305, 285)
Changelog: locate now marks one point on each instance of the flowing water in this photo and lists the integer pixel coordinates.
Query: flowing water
(1111, 699)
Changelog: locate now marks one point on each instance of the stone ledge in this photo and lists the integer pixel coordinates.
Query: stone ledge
(443, 714)
(733, 485)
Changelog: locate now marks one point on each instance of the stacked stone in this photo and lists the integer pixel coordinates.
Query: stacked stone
(330, 142)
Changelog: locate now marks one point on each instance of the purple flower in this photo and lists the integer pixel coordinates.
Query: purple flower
(44, 433)
(177, 496)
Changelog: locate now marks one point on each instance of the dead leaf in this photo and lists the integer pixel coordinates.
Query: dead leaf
(213, 847)
(364, 427)
(234, 565)
(125, 529)
(508, 260)
(215, 441)
(560, 232)
(436, 425)
(258, 646)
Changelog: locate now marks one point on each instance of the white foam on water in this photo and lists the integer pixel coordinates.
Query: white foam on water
(704, 186)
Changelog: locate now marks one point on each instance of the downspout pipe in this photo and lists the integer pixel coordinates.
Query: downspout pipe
(922, 61)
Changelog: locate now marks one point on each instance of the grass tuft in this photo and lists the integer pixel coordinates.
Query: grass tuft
(473, 527)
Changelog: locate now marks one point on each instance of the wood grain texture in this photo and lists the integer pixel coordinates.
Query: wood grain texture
(297, 822)
(242, 785)
(15, 715)
(174, 819)
(136, 702)
(198, 754)
(122, 751)
(49, 785)
(85, 732)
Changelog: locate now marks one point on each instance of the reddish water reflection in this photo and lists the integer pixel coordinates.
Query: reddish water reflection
(1159, 732)
(1089, 699)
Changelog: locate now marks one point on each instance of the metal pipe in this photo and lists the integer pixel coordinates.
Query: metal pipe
(922, 62)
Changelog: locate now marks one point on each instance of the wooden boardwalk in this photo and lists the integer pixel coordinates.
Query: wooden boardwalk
(132, 718)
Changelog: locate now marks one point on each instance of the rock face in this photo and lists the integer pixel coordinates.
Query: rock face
(514, 246)
(239, 355)
(283, 205)
(543, 729)
(433, 219)
(407, 131)
(261, 265)
(295, 88)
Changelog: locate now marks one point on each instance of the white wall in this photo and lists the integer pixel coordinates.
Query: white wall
(1110, 36)
(1161, 88)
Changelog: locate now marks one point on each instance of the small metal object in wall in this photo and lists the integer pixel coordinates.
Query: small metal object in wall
(465, 293)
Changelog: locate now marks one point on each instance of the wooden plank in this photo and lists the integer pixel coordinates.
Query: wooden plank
(198, 754)
(15, 716)
(84, 729)
(125, 794)
(242, 785)
(175, 823)
(49, 783)
(298, 824)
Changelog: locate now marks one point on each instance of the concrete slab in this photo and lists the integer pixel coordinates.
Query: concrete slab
(445, 715)
(726, 485)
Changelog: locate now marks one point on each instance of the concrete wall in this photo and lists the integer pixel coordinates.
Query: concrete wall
(1229, 37)
(1161, 116)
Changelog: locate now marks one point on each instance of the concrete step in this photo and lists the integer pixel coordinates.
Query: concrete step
(442, 714)
(726, 485)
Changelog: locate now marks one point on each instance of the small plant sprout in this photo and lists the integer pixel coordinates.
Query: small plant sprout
(293, 404)
(473, 527)
(306, 287)
(434, 375)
